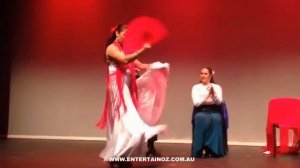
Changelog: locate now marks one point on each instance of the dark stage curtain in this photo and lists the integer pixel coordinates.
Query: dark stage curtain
(8, 12)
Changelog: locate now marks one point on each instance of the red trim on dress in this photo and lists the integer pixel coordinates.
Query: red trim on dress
(120, 75)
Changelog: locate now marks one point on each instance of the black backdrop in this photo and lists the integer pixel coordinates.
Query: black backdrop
(7, 21)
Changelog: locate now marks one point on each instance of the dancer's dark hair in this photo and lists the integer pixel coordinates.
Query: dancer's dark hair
(118, 29)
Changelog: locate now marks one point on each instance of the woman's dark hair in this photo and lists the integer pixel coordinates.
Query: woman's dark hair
(211, 72)
(119, 28)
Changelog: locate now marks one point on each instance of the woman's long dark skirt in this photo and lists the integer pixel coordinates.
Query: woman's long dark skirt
(207, 134)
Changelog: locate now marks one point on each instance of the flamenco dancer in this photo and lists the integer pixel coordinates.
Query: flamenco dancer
(127, 132)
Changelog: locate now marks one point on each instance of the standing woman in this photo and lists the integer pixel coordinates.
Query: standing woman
(207, 118)
(127, 133)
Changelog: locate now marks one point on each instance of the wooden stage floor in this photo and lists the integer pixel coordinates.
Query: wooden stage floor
(28, 153)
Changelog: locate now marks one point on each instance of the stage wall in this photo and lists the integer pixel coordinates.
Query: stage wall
(57, 86)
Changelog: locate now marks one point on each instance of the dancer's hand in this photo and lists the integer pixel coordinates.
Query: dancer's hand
(147, 46)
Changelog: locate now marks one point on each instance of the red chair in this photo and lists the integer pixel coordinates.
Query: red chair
(283, 113)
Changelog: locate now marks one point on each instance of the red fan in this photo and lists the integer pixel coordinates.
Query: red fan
(143, 30)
